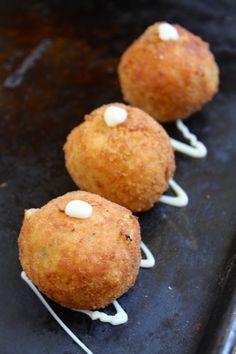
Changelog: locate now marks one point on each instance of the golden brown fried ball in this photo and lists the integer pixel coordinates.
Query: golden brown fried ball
(168, 79)
(129, 164)
(81, 263)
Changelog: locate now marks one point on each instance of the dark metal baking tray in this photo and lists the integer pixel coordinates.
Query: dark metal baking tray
(186, 304)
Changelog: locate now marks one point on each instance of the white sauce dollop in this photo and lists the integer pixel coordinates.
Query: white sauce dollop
(167, 32)
(149, 262)
(79, 209)
(119, 318)
(114, 116)
(181, 198)
(197, 148)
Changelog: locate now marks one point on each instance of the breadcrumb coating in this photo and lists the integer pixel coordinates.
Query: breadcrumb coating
(129, 164)
(81, 263)
(170, 80)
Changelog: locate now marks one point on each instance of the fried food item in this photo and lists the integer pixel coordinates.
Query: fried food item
(168, 72)
(83, 261)
(129, 163)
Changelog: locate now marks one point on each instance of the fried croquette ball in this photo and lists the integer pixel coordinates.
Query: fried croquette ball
(168, 72)
(81, 250)
(122, 154)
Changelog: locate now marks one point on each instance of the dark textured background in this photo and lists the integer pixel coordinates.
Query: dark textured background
(75, 75)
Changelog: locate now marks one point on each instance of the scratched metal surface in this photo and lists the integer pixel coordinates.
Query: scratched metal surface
(58, 61)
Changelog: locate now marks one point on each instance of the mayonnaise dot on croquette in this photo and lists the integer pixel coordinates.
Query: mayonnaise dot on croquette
(114, 116)
(167, 32)
(79, 209)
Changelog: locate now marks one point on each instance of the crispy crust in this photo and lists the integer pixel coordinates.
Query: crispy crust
(81, 263)
(130, 164)
(168, 79)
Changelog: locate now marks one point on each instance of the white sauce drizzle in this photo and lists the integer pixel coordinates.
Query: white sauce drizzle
(16, 78)
(54, 315)
(149, 262)
(197, 148)
(181, 198)
(119, 318)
